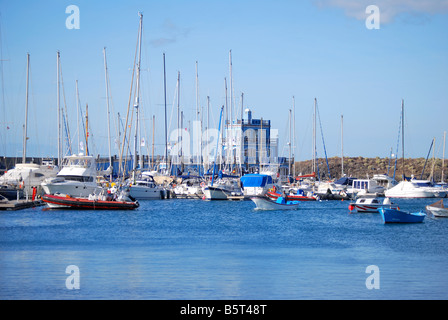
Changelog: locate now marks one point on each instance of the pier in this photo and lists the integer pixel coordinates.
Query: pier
(12, 205)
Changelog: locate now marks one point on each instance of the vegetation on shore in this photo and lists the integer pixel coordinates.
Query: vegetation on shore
(361, 167)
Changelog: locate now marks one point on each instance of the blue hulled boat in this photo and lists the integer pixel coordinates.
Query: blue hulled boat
(398, 216)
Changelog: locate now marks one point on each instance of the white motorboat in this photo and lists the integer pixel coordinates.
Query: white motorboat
(324, 187)
(385, 181)
(26, 176)
(222, 189)
(145, 188)
(409, 189)
(77, 177)
(371, 205)
(265, 203)
(365, 186)
(189, 188)
(438, 209)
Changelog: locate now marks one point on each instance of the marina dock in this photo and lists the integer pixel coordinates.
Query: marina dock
(19, 204)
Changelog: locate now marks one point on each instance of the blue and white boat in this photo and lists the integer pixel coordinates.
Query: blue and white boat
(399, 216)
(265, 203)
(256, 184)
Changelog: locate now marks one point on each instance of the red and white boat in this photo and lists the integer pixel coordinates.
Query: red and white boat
(59, 201)
(371, 205)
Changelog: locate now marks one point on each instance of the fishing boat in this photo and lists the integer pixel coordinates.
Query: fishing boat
(266, 203)
(438, 209)
(371, 205)
(399, 216)
(64, 201)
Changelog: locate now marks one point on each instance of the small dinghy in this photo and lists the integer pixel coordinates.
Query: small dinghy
(399, 216)
(265, 203)
(59, 201)
(438, 209)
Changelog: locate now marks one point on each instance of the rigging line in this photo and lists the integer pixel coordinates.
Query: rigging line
(173, 106)
(146, 97)
(127, 113)
(34, 112)
(322, 134)
(398, 144)
(65, 117)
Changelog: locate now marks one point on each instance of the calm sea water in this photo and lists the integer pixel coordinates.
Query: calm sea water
(194, 249)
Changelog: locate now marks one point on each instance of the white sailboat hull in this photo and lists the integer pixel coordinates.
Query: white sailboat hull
(146, 193)
(214, 193)
(406, 189)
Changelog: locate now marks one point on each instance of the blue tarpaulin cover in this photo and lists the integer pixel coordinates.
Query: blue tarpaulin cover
(255, 180)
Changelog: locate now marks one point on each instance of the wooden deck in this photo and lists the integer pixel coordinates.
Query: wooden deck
(20, 204)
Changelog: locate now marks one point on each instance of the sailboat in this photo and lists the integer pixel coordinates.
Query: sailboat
(405, 188)
(25, 177)
(225, 186)
(142, 186)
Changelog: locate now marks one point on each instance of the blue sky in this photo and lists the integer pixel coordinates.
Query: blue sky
(280, 49)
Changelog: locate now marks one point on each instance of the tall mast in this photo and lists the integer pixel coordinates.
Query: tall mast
(25, 128)
(178, 114)
(443, 157)
(294, 134)
(290, 138)
(231, 113)
(59, 111)
(402, 135)
(206, 130)
(342, 145)
(77, 113)
(314, 136)
(164, 90)
(108, 112)
(137, 97)
(153, 126)
(87, 129)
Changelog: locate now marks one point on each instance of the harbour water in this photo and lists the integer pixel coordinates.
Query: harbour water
(194, 249)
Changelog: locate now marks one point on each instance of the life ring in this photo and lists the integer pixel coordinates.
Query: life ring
(202, 184)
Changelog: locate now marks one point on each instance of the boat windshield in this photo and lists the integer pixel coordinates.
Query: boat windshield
(77, 162)
(78, 178)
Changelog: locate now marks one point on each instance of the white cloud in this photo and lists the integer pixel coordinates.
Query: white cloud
(416, 10)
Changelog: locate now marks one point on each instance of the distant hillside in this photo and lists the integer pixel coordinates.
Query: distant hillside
(360, 167)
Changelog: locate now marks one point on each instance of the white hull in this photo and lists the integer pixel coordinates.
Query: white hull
(188, 192)
(73, 188)
(212, 193)
(146, 193)
(438, 212)
(406, 189)
(266, 204)
(371, 205)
